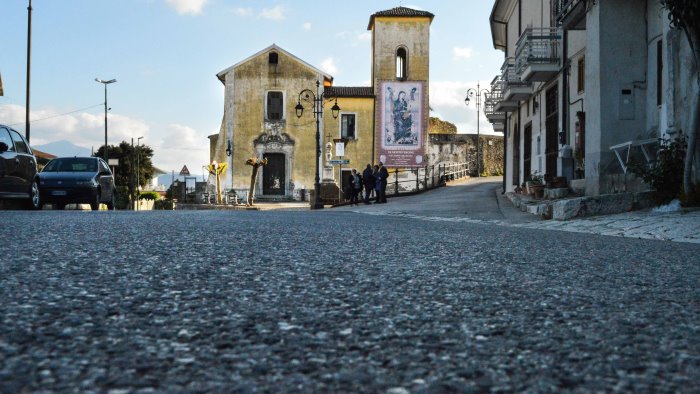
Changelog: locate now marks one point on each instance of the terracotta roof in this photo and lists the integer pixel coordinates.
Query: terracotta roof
(349, 91)
(399, 11)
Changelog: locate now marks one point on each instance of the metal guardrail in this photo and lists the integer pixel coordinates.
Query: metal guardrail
(410, 181)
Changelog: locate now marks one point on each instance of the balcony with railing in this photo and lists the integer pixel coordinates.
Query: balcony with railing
(514, 88)
(538, 54)
(569, 14)
(500, 105)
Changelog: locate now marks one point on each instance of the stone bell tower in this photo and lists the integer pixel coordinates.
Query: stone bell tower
(400, 80)
(400, 44)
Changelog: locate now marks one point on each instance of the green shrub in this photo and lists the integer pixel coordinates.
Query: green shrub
(121, 198)
(665, 174)
(163, 205)
(155, 196)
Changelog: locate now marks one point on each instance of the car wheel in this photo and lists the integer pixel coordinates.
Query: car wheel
(35, 199)
(60, 206)
(95, 205)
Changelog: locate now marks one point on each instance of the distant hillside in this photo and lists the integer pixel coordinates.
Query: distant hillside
(63, 148)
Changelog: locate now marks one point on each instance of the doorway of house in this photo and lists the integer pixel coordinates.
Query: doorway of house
(274, 174)
(527, 151)
(552, 129)
(516, 155)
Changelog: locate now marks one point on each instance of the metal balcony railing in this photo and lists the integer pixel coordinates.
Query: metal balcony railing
(561, 9)
(509, 76)
(537, 45)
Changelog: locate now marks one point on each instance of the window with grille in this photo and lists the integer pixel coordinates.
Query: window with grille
(347, 126)
(275, 101)
(581, 73)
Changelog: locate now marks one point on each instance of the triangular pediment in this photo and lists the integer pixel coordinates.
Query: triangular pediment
(276, 48)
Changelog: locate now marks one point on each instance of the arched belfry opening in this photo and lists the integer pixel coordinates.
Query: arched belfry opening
(401, 64)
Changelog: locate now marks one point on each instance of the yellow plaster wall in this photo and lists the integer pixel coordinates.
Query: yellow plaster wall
(359, 150)
(253, 79)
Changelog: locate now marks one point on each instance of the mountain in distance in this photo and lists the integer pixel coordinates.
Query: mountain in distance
(63, 148)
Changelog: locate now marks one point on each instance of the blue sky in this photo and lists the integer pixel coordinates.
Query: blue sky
(165, 55)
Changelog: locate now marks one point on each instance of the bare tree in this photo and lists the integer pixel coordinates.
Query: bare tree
(255, 163)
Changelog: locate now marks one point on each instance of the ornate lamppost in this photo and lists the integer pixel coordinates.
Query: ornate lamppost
(106, 157)
(471, 92)
(317, 100)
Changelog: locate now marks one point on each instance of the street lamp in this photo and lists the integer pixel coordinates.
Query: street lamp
(138, 169)
(229, 153)
(471, 92)
(317, 100)
(106, 157)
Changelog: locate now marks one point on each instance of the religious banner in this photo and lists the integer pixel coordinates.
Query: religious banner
(401, 123)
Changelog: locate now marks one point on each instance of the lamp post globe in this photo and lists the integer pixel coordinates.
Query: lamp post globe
(105, 82)
(476, 93)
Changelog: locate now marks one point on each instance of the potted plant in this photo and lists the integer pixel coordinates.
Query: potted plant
(535, 185)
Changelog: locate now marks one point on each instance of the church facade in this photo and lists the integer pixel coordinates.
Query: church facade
(386, 122)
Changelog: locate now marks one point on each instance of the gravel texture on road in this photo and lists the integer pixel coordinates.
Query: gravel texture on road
(329, 301)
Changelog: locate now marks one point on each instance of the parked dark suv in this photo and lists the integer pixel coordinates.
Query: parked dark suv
(18, 169)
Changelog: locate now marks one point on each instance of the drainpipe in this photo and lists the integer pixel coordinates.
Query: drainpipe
(505, 152)
(565, 88)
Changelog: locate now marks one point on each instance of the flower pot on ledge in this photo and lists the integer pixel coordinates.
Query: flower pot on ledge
(535, 190)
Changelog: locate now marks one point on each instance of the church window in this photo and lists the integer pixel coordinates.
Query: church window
(347, 126)
(401, 64)
(275, 105)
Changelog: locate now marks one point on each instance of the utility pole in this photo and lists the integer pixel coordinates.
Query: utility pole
(27, 126)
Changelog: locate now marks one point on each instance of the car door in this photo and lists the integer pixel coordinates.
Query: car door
(106, 180)
(25, 161)
(8, 164)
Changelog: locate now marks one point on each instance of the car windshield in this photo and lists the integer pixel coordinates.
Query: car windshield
(71, 165)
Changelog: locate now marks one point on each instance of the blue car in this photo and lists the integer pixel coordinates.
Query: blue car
(18, 169)
(77, 180)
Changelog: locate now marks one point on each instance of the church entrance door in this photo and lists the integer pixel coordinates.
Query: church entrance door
(273, 174)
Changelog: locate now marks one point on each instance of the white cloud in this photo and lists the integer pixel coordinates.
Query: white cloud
(328, 65)
(448, 93)
(447, 102)
(85, 129)
(183, 7)
(243, 11)
(364, 36)
(182, 146)
(306, 26)
(275, 13)
(465, 53)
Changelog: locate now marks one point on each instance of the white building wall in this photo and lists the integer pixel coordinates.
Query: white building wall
(616, 75)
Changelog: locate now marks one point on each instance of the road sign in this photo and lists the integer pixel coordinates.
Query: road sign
(339, 161)
(113, 162)
(184, 171)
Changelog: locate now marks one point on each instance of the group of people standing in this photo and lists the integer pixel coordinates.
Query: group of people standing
(373, 180)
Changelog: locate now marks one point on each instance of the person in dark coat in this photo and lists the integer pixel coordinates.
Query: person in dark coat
(356, 185)
(377, 183)
(368, 178)
(384, 175)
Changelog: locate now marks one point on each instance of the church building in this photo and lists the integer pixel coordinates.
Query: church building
(386, 122)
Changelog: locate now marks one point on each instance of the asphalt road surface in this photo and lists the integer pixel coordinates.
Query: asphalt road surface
(338, 301)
